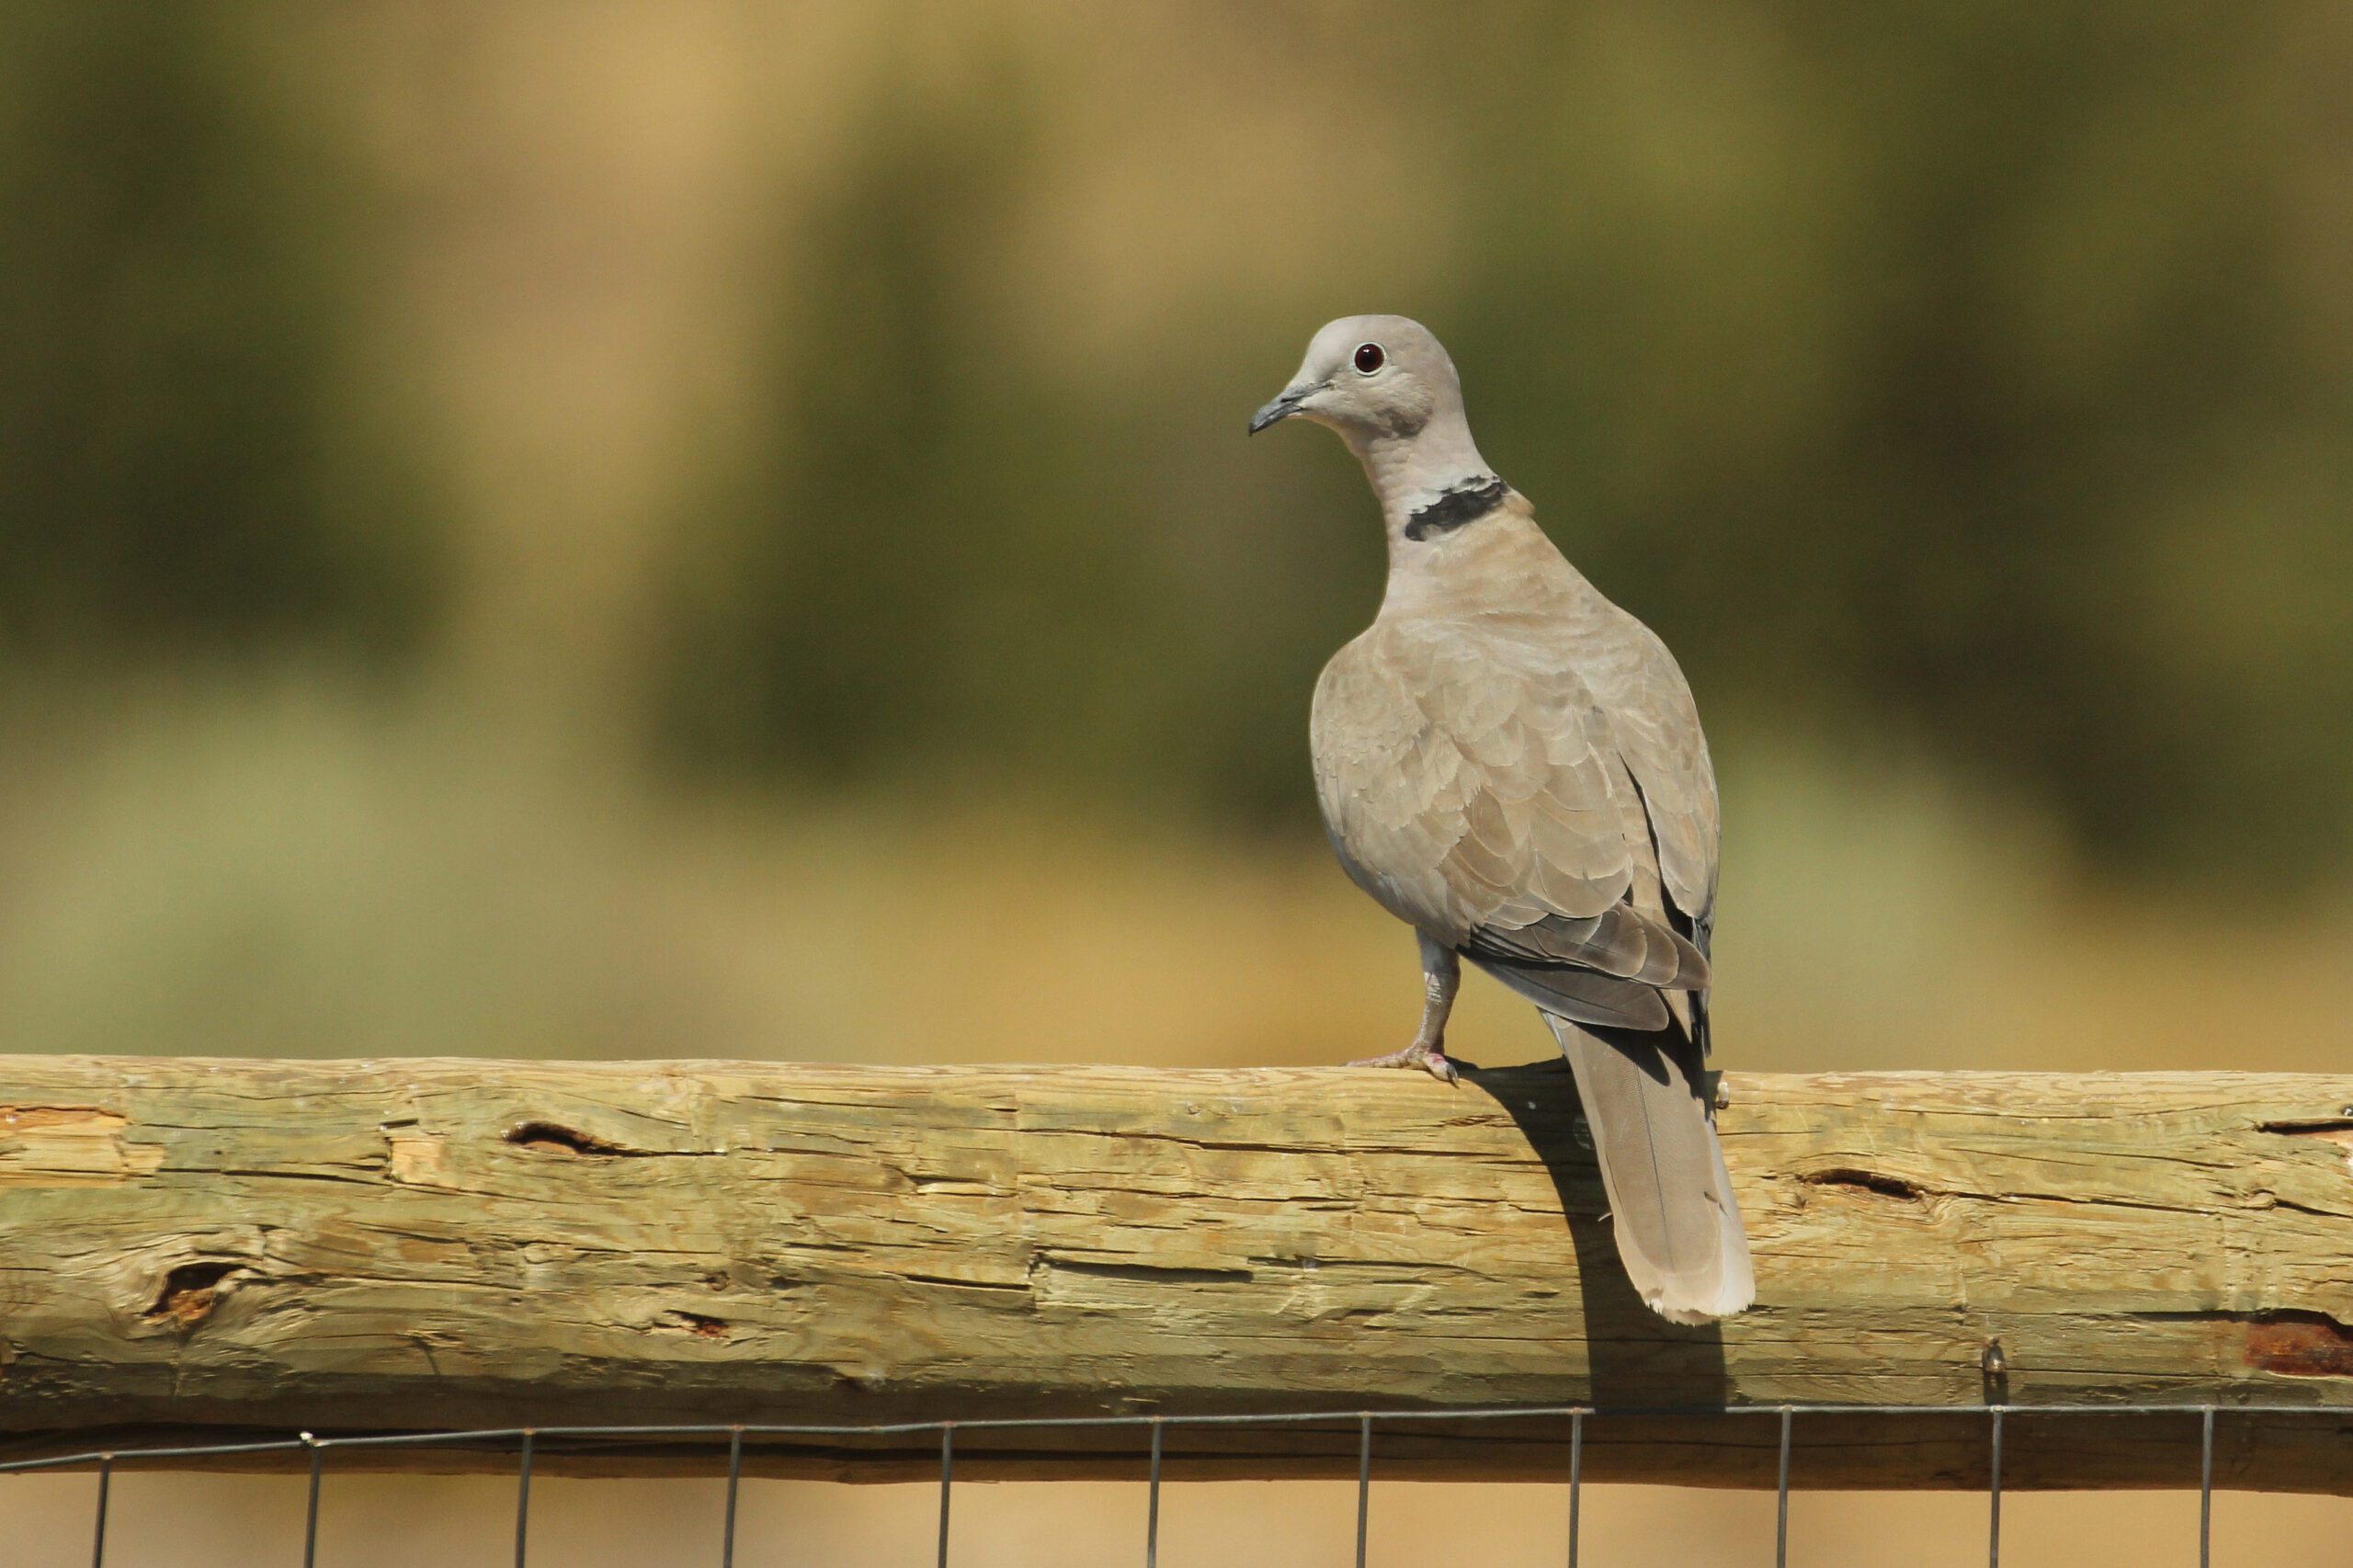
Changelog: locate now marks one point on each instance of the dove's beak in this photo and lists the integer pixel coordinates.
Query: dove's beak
(1282, 408)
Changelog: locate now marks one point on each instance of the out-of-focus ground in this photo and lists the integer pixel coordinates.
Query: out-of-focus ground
(692, 529)
(261, 874)
(469, 1523)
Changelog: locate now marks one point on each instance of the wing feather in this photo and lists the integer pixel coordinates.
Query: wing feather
(1533, 791)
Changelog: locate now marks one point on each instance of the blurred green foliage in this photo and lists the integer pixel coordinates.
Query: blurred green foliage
(1978, 384)
(176, 469)
(1966, 379)
(916, 548)
(933, 557)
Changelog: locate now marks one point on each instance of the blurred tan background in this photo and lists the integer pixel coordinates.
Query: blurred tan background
(724, 529)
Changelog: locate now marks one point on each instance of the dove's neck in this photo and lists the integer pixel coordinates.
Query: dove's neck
(1430, 484)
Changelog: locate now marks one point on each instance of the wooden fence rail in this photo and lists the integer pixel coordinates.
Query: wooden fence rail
(195, 1250)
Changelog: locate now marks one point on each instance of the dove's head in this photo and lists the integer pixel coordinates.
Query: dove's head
(1386, 385)
(1371, 378)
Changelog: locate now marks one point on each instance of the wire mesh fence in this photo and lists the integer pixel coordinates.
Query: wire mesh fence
(529, 1443)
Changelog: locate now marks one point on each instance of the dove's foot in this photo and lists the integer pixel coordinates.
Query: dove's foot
(1430, 1059)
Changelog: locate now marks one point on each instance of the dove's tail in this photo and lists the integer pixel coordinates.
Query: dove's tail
(1671, 1205)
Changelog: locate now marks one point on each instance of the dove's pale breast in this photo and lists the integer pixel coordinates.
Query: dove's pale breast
(1507, 760)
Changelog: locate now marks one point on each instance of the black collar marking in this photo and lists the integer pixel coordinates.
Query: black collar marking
(1464, 504)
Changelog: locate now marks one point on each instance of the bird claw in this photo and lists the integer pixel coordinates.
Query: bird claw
(1430, 1059)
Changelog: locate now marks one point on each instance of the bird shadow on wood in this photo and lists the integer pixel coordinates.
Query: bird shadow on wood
(1638, 1359)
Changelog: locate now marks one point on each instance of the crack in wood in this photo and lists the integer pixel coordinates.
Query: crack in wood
(1862, 1180)
(555, 1137)
(700, 1324)
(1148, 1273)
(189, 1292)
(2300, 1344)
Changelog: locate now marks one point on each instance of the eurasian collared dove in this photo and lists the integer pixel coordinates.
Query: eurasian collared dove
(1512, 765)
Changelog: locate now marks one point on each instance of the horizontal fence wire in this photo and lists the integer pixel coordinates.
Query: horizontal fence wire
(720, 1431)
(527, 1440)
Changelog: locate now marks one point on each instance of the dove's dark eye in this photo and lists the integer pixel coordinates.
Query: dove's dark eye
(1370, 357)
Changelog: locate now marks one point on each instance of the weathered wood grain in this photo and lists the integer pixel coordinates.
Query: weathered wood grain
(192, 1247)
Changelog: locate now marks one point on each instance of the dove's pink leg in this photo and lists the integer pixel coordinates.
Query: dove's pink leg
(1442, 977)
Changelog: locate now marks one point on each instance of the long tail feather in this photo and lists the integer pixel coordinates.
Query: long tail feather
(1671, 1205)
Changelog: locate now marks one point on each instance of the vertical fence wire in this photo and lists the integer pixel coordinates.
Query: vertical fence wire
(1994, 1499)
(1152, 1504)
(734, 1485)
(1781, 1527)
(946, 1482)
(2206, 1487)
(1576, 1478)
(523, 1501)
(1364, 1482)
(311, 1510)
(98, 1533)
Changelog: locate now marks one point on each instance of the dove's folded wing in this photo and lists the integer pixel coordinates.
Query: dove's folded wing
(1480, 790)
